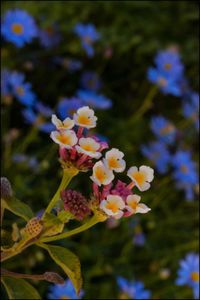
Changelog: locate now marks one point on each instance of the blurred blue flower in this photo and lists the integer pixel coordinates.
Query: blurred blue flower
(163, 129)
(134, 290)
(30, 161)
(191, 108)
(94, 100)
(21, 90)
(88, 35)
(166, 83)
(139, 239)
(188, 273)
(71, 64)
(39, 116)
(158, 154)
(18, 27)
(185, 172)
(68, 106)
(90, 81)
(49, 37)
(5, 83)
(168, 73)
(169, 62)
(63, 291)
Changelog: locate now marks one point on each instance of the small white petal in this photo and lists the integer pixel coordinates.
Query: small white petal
(142, 208)
(149, 172)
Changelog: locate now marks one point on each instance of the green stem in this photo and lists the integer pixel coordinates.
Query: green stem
(68, 174)
(94, 220)
(146, 103)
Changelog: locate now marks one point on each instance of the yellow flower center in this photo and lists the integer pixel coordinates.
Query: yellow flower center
(112, 206)
(168, 66)
(99, 173)
(88, 147)
(139, 177)
(184, 169)
(162, 82)
(113, 163)
(20, 91)
(195, 276)
(84, 120)
(133, 204)
(17, 28)
(64, 139)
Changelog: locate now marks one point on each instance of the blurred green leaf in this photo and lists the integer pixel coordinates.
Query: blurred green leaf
(19, 289)
(68, 261)
(18, 208)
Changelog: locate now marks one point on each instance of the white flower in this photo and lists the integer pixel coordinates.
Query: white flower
(134, 206)
(66, 138)
(62, 125)
(101, 174)
(114, 160)
(89, 147)
(113, 206)
(142, 177)
(85, 117)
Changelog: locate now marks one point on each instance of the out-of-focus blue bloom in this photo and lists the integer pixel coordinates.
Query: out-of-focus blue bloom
(68, 106)
(21, 90)
(134, 290)
(166, 83)
(63, 291)
(168, 72)
(94, 100)
(191, 108)
(90, 81)
(163, 129)
(39, 117)
(158, 154)
(5, 83)
(169, 62)
(18, 27)
(88, 35)
(71, 64)
(185, 172)
(188, 273)
(30, 161)
(49, 37)
(139, 239)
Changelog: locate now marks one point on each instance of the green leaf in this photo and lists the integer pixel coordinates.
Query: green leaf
(19, 289)
(53, 225)
(18, 208)
(68, 261)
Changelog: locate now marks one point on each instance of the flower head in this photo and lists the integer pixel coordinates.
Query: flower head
(76, 203)
(88, 35)
(101, 174)
(163, 129)
(113, 206)
(158, 154)
(85, 117)
(134, 290)
(188, 273)
(63, 291)
(66, 138)
(18, 27)
(94, 100)
(191, 108)
(141, 177)
(133, 205)
(114, 160)
(185, 172)
(90, 81)
(67, 107)
(22, 90)
(67, 123)
(89, 146)
(49, 37)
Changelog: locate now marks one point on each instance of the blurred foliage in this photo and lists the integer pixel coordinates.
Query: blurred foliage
(135, 31)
